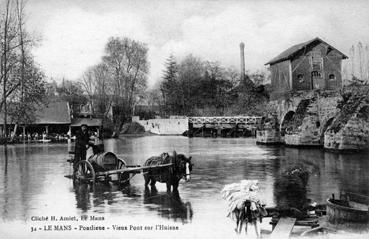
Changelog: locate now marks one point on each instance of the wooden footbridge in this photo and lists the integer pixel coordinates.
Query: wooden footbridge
(223, 126)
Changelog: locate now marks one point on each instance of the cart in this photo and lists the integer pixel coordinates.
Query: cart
(107, 167)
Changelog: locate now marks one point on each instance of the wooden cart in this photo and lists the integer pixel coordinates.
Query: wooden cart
(107, 167)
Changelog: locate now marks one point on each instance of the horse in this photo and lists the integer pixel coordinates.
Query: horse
(181, 168)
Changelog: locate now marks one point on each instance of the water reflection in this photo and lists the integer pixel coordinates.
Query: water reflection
(290, 190)
(6, 160)
(99, 195)
(82, 191)
(168, 205)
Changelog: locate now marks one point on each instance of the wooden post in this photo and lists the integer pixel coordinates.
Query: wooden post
(190, 130)
(24, 132)
(47, 129)
(219, 132)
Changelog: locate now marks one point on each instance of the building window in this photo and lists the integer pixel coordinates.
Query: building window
(316, 74)
(316, 57)
(300, 78)
(316, 60)
(332, 77)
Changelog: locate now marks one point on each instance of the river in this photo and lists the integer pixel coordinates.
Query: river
(33, 186)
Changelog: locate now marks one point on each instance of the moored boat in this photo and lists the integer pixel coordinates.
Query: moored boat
(347, 209)
(318, 231)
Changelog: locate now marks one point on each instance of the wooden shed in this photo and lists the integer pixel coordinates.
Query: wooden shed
(53, 117)
(310, 65)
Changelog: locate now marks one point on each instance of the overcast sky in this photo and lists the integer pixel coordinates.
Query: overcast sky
(74, 32)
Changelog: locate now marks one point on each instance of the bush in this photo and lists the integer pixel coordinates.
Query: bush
(132, 128)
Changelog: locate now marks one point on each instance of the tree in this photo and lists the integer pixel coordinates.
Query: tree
(127, 62)
(190, 73)
(97, 83)
(72, 92)
(22, 81)
(169, 86)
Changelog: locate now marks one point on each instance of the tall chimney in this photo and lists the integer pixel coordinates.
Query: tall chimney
(242, 55)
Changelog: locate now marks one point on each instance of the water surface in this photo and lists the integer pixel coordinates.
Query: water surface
(32, 183)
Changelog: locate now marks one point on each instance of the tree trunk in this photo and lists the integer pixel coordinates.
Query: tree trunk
(14, 133)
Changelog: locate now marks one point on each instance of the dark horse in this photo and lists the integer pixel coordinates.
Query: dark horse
(180, 167)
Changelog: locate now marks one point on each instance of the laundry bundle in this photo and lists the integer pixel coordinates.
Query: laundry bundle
(238, 195)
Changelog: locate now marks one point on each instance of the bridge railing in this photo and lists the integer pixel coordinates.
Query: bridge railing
(249, 120)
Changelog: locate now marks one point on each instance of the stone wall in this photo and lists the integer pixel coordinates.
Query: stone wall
(268, 136)
(354, 136)
(172, 126)
(309, 126)
(307, 134)
(329, 120)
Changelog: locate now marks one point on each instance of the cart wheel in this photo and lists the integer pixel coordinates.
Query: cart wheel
(121, 164)
(123, 178)
(83, 171)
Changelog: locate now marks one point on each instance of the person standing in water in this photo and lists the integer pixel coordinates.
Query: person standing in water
(82, 144)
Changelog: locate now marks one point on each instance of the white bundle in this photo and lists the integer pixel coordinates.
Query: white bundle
(238, 193)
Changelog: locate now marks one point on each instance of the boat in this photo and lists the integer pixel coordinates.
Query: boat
(44, 140)
(349, 208)
(318, 231)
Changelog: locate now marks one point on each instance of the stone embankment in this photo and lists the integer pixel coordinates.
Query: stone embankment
(333, 120)
(350, 128)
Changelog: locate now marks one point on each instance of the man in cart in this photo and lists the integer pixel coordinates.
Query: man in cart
(82, 144)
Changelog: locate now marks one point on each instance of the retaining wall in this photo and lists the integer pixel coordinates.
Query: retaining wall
(171, 126)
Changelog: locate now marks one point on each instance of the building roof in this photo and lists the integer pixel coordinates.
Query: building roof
(292, 51)
(53, 113)
(91, 122)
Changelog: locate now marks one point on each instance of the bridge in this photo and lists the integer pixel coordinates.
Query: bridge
(223, 126)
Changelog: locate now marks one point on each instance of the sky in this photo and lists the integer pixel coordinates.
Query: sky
(73, 33)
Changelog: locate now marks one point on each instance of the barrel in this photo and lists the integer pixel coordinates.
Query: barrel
(106, 160)
(337, 211)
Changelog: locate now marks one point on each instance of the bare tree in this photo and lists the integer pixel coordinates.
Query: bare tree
(98, 85)
(22, 82)
(127, 62)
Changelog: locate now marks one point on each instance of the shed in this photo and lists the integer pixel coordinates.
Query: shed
(90, 122)
(310, 65)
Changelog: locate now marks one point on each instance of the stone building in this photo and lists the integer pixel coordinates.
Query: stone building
(306, 66)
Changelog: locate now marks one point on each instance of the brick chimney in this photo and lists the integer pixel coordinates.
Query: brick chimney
(242, 55)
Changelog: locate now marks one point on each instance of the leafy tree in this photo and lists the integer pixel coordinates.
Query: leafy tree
(195, 87)
(170, 87)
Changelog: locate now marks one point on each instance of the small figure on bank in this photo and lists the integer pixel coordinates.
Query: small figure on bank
(82, 144)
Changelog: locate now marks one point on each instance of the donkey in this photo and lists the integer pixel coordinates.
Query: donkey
(181, 168)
